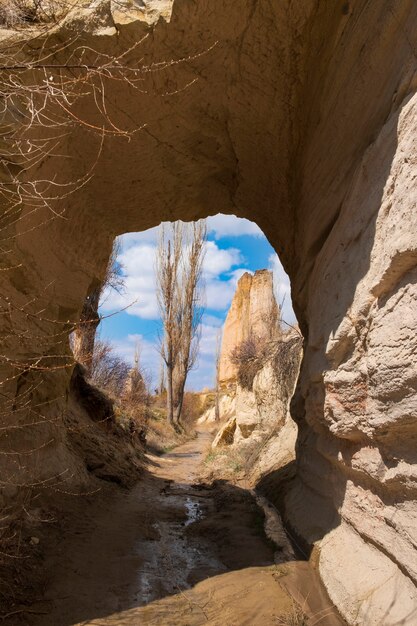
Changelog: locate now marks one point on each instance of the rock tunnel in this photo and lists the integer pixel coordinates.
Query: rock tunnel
(301, 117)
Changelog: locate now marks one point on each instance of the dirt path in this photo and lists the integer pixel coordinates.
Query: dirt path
(171, 552)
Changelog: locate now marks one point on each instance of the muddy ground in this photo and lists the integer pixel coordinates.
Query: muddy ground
(171, 551)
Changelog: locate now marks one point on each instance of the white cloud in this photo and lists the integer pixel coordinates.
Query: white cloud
(139, 293)
(282, 289)
(218, 261)
(219, 293)
(208, 339)
(231, 226)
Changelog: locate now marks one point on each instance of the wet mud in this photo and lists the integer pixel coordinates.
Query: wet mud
(174, 551)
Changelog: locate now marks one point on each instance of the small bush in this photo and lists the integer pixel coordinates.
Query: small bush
(286, 357)
(108, 371)
(191, 410)
(14, 13)
(207, 403)
(249, 357)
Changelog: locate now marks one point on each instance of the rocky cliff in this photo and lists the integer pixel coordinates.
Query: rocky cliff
(259, 365)
(253, 312)
(258, 426)
(301, 116)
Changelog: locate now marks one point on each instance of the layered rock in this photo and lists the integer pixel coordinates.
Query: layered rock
(261, 428)
(253, 312)
(302, 117)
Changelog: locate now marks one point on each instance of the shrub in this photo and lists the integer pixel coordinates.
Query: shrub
(286, 357)
(249, 357)
(19, 12)
(191, 409)
(108, 371)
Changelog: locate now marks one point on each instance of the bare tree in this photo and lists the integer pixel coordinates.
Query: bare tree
(191, 309)
(108, 371)
(168, 268)
(85, 331)
(179, 268)
(135, 390)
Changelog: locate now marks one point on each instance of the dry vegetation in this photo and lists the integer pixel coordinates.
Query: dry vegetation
(251, 355)
(15, 13)
(134, 408)
(296, 617)
(161, 435)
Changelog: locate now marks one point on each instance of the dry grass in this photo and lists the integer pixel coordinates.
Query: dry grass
(16, 13)
(161, 437)
(223, 462)
(251, 355)
(296, 617)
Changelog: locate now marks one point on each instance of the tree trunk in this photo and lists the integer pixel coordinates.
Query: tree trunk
(179, 403)
(179, 379)
(170, 399)
(85, 332)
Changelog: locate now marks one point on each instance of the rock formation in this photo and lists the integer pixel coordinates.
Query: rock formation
(301, 116)
(255, 407)
(260, 427)
(253, 311)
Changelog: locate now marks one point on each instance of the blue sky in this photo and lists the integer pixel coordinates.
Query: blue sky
(233, 247)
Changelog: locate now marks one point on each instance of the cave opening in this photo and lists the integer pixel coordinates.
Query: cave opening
(235, 432)
(300, 116)
(243, 321)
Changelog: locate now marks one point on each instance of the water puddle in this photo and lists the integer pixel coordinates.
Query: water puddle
(174, 561)
(193, 511)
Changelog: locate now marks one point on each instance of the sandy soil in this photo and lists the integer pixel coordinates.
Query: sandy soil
(172, 551)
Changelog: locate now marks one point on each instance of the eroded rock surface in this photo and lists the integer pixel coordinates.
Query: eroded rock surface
(303, 117)
(261, 429)
(253, 312)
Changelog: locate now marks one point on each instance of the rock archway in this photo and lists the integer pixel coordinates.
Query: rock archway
(303, 118)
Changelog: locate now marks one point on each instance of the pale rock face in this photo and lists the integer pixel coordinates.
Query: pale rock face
(261, 428)
(301, 116)
(385, 597)
(225, 434)
(227, 408)
(253, 311)
(265, 430)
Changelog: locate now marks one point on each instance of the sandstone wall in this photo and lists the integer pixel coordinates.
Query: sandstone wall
(253, 311)
(303, 117)
(260, 428)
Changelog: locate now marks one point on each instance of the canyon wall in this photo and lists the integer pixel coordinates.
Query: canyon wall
(258, 368)
(259, 428)
(253, 313)
(300, 116)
